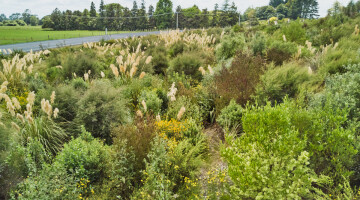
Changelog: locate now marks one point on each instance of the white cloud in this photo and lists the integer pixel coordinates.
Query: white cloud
(45, 7)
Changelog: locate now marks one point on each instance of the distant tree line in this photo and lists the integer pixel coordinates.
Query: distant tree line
(351, 10)
(17, 19)
(114, 16)
(117, 17)
(291, 9)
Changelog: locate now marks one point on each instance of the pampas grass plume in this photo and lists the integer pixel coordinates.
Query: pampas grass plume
(181, 113)
(142, 75)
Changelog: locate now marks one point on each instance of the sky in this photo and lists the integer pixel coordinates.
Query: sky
(45, 7)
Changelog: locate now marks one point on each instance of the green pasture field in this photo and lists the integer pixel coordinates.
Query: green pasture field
(21, 34)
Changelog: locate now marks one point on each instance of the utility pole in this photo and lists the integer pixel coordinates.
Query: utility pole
(177, 20)
(239, 19)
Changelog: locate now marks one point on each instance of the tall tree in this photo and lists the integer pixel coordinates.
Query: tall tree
(282, 11)
(307, 9)
(26, 16)
(179, 18)
(126, 25)
(276, 3)
(152, 21)
(34, 21)
(3, 17)
(134, 13)
(192, 19)
(215, 18)
(233, 14)
(224, 16)
(204, 19)
(164, 14)
(92, 10)
(85, 20)
(101, 21)
(142, 21)
(15, 16)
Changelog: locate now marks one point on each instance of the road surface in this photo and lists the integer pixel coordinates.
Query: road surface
(49, 44)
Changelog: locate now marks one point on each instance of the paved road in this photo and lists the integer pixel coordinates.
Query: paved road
(49, 44)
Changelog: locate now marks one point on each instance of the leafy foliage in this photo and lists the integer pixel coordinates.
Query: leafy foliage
(100, 107)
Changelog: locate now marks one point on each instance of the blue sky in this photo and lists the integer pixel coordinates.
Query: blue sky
(45, 7)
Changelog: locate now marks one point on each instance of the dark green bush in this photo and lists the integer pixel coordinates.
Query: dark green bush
(80, 63)
(66, 101)
(152, 101)
(258, 44)
(278, 82)
(159, 61)
(280, 51)
(176, 49)
(294, 32)
(229, 45)
(230, 116)
(84, 157)
(100, 107)
(187, 63)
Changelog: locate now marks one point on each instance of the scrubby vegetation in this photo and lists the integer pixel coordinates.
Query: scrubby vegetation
(262, 112)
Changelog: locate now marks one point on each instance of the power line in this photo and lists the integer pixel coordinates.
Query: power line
(138, 17)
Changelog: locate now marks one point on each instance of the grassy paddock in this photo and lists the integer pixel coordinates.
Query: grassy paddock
(21, 34)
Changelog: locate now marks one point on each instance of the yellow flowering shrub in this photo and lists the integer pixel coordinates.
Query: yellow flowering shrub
(170, 129)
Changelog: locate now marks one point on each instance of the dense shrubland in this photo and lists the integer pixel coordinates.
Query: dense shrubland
(237, 113)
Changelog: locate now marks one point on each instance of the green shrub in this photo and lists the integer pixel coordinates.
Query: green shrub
(236, 28)
(169, 171)
(80, 63)
(176, 49)
(138, 138)
(84, 157)
(344, 92)
(122, 172)
(230, 116)
(66, 101)
(258, 43)
(346, 53)
(100, 107)
(159, 61)
(79, 84)
(152, 101)
(187, 63)
(294, 32)
(239, 81)
(192, 110)
(229, 45)
(278, 82)
(53, 182)
(136, 86)
(283, 147)
(280, 51)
